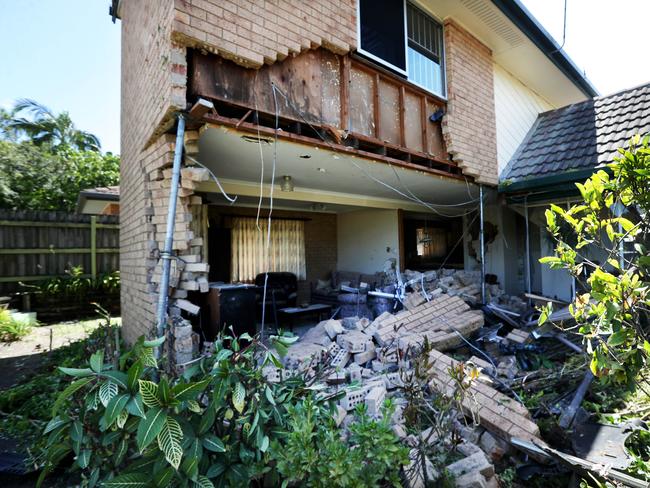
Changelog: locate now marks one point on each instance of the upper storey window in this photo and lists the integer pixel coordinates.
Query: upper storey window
(404, 38)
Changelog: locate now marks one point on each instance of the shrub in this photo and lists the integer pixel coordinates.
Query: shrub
(75, 285)
(134, 425)
(314, 454)
(12, 328)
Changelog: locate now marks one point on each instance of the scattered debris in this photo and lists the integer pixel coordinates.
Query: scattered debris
(362, 361)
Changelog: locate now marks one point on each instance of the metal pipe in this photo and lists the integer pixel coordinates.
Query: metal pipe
(528, 279)
(573, 278)
(568, 416)
(483, 295)
(166, 254)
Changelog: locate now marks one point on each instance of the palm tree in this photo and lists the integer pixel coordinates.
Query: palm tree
(46, 128)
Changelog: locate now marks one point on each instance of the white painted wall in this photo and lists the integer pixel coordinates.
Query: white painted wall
(516, 108)
(364, 237)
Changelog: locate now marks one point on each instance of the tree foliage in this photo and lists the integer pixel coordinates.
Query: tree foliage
(34, 178)
(45, 160)
(613, 315)
(45, 128)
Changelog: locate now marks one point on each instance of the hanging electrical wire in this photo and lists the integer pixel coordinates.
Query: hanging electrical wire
(563, 31)
(214, 177)
(259, 139)
(268, 229)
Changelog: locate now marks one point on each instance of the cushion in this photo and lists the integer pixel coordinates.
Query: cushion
(340, 276)
(323, 285)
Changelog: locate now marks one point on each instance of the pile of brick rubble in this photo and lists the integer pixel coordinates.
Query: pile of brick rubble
(367, 362)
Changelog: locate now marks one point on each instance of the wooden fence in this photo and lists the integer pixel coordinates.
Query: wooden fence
(35, 246)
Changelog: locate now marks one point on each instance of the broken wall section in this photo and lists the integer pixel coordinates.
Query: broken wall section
(189, 272)
(257, 33)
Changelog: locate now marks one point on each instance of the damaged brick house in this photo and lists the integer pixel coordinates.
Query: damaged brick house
(370, 128)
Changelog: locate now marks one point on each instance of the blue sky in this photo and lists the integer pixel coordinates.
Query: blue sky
(66, 53)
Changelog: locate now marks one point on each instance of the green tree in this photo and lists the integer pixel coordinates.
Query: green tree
(6, 131)
(613, 315)
(34, 178)
(44, 127)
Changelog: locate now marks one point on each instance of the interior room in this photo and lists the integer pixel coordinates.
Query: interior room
(337, 222)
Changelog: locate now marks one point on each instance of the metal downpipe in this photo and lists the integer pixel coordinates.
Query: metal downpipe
(528, 277)
(483, 294)
(166, 254)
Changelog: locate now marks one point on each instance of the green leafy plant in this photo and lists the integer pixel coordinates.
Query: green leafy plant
(314, 454)
(613, 315)
(12, 328)
(127, 423)
(74, 284)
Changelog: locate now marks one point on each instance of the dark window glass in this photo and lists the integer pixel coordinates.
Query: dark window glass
(382, 30)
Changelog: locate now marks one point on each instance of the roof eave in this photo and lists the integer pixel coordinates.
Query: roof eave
(540, 183)
(524, 20)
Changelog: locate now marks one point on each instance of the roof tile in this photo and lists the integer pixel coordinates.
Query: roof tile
(581, 136)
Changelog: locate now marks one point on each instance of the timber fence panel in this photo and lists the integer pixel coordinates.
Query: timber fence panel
(36, 245)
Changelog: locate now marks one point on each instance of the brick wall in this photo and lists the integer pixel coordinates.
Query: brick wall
(148, 93)
(252, 33)
(469, 126)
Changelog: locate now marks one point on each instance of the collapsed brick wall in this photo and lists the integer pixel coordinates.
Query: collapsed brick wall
(190, 271)
(255, 33)
(495, 411)
(469, 126)
(440, 321)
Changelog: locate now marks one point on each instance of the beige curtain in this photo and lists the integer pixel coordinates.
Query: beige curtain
(251, 257)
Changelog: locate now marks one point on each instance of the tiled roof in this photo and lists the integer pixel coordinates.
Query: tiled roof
(109, 191)
(580, 136)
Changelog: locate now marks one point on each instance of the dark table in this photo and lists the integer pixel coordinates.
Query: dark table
(290, 314)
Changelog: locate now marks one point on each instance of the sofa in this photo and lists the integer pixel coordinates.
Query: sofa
(328, 291)
(281, 291)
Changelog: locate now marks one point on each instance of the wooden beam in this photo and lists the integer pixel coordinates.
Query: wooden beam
(62, 225)
(345, 93)
(425, 125)
(67, 250)
(16, 279)
(93, 246)
(243, 118)
(400, 239)
(200, 108)
(376, 104)
(402, 115)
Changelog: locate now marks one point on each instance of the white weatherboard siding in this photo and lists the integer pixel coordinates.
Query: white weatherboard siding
(366, 239)
(516, 107)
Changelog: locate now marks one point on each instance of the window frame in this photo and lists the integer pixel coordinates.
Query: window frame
(392, 67)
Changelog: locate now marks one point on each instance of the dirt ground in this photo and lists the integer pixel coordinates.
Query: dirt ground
(18, 359)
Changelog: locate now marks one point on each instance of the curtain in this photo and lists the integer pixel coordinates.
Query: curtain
(251, 257)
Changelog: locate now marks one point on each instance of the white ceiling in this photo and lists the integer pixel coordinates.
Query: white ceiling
(510, 47)
(321, 175)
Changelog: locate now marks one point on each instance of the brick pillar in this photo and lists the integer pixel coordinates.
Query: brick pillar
(469, 126)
